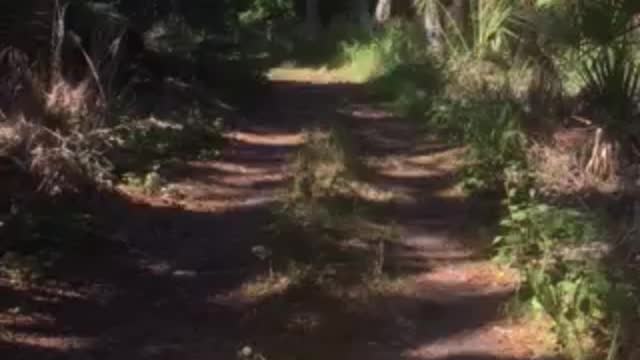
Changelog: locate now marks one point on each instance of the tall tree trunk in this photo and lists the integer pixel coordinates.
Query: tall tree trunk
(383, 11)
(432, 23)
(362, 13)
(312, 18)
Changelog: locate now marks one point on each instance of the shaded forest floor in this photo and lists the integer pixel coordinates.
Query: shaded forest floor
(181, 280)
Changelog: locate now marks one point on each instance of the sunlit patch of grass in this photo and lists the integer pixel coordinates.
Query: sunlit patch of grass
(533, 332)
(321, 75)
(479, 277)
(371, 193)
(22, 269)
(266, 286)
(365, 61)
(278, 283)
(150, 183)
(387, 286)
(382, 52)
(409, 88)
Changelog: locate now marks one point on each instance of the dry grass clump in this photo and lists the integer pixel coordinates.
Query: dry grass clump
(476, 79)
(49, 127)
(58, 162)
(325, 165)
(70, 104)
(557, 171)
(328, 167)
(61, 139)
(560, 166)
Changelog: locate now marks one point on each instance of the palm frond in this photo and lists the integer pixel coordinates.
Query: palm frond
(612, 81)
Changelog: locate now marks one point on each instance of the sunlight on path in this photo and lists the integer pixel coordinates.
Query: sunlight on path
(310, 75)
(189, 283)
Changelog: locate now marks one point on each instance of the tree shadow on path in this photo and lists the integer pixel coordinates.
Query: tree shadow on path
(163, 285)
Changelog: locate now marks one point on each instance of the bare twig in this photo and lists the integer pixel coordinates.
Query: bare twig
(582, 120)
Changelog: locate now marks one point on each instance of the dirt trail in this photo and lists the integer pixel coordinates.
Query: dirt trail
(166, 290)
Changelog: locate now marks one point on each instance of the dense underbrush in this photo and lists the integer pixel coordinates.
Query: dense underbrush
(80, 121)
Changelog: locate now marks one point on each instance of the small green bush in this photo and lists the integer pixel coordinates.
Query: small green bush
(492, 131)
(559, 252)
(325, 165)
(612, 82)
(383, 51)
(532, 230)
(410, 89)
(150, 142)
(328, 49)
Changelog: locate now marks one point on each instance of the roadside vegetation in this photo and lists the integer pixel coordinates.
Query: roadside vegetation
(103, 94)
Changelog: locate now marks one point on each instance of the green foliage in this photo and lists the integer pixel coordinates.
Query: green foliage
(559, 251)
(475, 96)
(398, 66)
(261, 11)
(174, 35)
(150, 183)
(604, 23)
(576, 298)
(496, 141)
(494, 135)
(215, 16)
(612, 79)
(323, 213)
(582, 25)
(410, 89)
(492, 25)
(380, 53)
(325, 165)
(151, 142)
(531, 230)
(598, 35)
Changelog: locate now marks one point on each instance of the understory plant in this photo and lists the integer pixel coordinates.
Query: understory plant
(561, 255)
(491, 29)
(383, 51)
(492, 132)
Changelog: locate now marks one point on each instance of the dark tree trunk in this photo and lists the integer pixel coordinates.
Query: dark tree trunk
(312, 18)
(362, 13)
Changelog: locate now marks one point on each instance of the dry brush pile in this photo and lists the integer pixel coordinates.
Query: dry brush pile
(88, 96)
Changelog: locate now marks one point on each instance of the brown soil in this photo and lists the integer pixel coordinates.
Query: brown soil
(169, 284)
